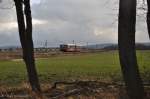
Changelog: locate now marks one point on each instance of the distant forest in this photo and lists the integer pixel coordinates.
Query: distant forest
(139, 46)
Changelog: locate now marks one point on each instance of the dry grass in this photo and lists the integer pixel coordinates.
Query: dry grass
(90, 90)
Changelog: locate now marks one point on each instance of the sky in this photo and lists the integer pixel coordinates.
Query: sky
(64, 21)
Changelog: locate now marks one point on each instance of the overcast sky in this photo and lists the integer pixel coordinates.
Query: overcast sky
(62, 21)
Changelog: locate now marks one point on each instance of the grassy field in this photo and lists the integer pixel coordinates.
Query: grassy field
(90, 66)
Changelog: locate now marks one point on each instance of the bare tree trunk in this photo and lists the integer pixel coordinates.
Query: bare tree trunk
(30, 62)
(148, 17)
(127, 53)
(25, 33)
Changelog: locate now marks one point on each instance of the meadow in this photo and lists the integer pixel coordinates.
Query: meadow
(103, 66)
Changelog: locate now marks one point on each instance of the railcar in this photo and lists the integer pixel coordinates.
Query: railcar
(70, 48)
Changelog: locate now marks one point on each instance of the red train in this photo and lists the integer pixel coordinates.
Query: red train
(70, 48)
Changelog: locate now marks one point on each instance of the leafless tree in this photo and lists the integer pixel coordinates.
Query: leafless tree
(148, 16)
(24, 19)
(127, 53)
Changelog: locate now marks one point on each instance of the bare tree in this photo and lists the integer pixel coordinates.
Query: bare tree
(127, 53)
(25, 33)
(148, 16)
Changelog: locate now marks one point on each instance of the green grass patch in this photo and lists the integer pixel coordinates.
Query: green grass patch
(91, 66)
